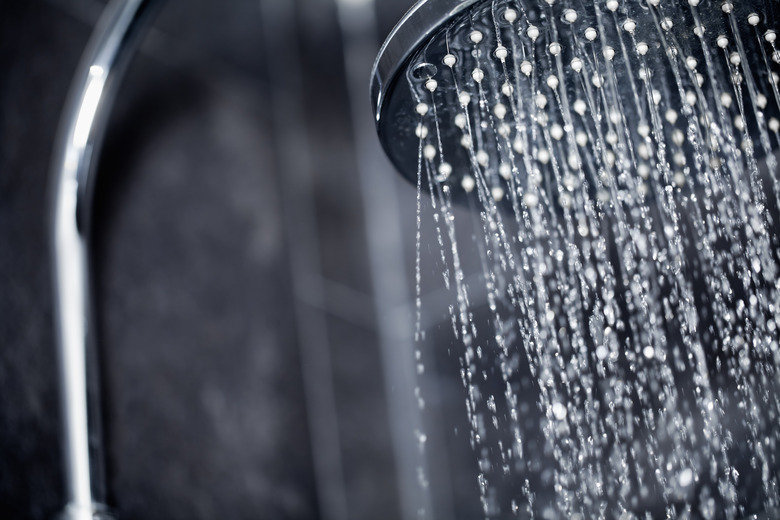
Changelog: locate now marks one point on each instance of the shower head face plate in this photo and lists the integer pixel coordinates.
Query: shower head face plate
(510, 95)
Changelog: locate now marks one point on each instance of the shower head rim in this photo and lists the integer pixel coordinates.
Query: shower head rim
(410, 33)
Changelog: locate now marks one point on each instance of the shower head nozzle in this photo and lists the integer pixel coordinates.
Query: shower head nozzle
(508, 94)
(389, 94)
(414, 29)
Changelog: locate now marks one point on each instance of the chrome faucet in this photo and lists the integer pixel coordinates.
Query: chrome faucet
(81, 129)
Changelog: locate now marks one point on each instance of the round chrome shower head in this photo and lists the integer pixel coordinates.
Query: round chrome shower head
(613, 151)
(519, 91)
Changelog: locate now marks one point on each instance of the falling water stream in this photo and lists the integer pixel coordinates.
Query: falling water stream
(618, 160)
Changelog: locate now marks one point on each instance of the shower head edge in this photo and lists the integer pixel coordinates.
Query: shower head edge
(412, 31)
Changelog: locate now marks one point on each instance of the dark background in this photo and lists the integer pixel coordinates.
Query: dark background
(246, 303)
(253, 258)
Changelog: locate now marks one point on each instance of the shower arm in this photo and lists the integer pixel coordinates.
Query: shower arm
(82, 125)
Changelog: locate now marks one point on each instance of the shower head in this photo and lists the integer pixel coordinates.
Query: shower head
(508, 93)
(626, 138)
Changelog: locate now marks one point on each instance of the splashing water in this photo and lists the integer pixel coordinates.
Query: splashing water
(618, 158)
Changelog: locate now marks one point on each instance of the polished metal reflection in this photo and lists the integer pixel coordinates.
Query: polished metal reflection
(412, 31)
(79, 137)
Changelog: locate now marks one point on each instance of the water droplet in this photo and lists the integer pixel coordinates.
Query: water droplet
(531, 199)
(510, 15)
(467, 183)
(686, 477)
(445, 170)
(559, 411)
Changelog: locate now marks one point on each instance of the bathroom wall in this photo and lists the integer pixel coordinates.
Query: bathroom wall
(243, 369)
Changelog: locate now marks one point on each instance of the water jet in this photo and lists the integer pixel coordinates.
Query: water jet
(619, 160)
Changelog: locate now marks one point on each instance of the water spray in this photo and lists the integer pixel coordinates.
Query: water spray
(620, 158)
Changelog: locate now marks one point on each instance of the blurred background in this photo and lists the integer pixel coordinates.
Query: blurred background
(253, 256)
(241, 265)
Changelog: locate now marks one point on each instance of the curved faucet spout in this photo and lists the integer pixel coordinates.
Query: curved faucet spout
(80, 133)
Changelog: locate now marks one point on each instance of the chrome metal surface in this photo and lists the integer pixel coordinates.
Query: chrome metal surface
(414, 30)
(80, 133)
(413, 53)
